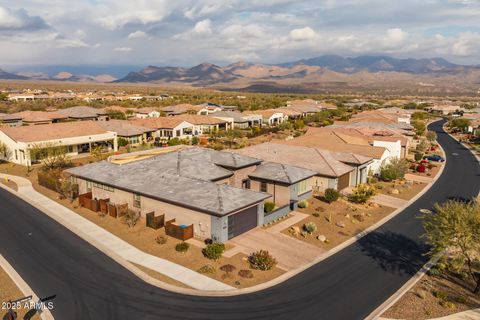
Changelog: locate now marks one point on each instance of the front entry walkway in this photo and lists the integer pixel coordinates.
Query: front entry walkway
(289, 252)
(389, 201)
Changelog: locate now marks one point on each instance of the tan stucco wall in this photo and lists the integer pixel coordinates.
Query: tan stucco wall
(201, 221)
(320, 183)
(282, 193)
(239, 175)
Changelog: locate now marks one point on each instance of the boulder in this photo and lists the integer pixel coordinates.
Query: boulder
(394, 191)
(322, 238)
(295, 230)
(359, 217)
(340, 224)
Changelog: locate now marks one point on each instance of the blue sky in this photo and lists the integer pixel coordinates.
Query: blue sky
(188, 32)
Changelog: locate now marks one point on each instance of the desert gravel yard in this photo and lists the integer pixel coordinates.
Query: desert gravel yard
(405, 190)
(336, 222)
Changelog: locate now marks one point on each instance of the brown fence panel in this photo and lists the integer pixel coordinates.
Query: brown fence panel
(85, 198)
(122, 209)
(174, 230)
(104, 205)
(94, 205)
(154, 222)
(112, 210)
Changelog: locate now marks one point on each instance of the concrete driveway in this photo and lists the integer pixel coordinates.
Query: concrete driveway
(289, 252)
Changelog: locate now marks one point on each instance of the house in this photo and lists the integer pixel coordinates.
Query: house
(10, 120)
(84, 113)
(190, 185)
(445, 109)
(328, 171)
(167, 127)
(133, 134)
(77, 137)
(403, 115)
(146, 112)
(237, 120)
(337, 142)
(21, 97)
(290, 114)
(39, 117)
(187, 108)
(204, 124)
(270, 117)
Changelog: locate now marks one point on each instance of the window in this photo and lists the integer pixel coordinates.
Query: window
(16, 155)
(302, 187)
(177, 133)
(246, 184)
(89, 186)
(137, 201)
(263, 187)
(69, 149)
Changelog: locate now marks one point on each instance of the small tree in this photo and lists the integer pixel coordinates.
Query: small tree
(431, 136)
(262, 260)
(268, 207)
(362, 193)
(214, 251)
(50, 154)
(422, 146)
(5, 151)
(195, 140)
(395, 169)
(460, 124)
(331, 195)
(420, 127)
(455, 226)
(131, 218)
(122, 142)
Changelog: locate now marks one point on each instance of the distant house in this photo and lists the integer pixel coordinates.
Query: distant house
(77, 137)
(134, 134)
(186, 108)
(167, 127)
(146, 112)
(270, 117)
(10, 120)
(21, 97)
(237, 119)
(82, 113)
(204, 124)
(39, 117)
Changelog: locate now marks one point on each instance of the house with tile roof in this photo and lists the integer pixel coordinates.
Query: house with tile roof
(77, 137)
(83, 113)
(132, 133)
(10, 120)
(39, 117)
(166, 127)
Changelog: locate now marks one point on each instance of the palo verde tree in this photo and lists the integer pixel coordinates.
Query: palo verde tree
(454, 228)
(431, 136)
(395, 169)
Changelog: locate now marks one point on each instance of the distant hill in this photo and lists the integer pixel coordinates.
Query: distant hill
(11, 76)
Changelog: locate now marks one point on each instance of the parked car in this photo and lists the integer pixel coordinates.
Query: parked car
(435, 158)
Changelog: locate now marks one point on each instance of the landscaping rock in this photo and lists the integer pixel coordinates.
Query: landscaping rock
(395, 191)
(359, 217)
(322, 238)
(373, 205)
(295, 230)
(340, 224)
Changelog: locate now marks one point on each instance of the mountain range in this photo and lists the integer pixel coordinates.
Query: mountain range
(326, 71)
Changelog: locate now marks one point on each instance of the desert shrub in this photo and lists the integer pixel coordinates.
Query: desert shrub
(195, 140)
(248, 274)
(440, 295)
(331, 195)
(122, 142)
(182, 247)
(214, 251)
(316, 214)
(310, 227)
(362, 193)
(418, 156)
(262, 260)
(395, 169)
(131, 218)
(206, 269)
(268, 207)
(161, 239)
(303, 204)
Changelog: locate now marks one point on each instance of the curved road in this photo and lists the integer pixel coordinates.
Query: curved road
(348, 285)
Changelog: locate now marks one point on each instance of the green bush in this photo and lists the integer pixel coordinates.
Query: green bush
(418, 156)
(206, 269)
(310, 227)
(122, 142)
(182, 247)
(262, 260)
(214, 251)
(268, 207)
(195, 140)
(362, 193)
(303, 204)
(395, 169)
(331, 195)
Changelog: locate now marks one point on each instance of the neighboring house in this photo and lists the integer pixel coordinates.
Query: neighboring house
(236, 119)
(84, 113)
(167, 127)
(77, 137)
(290, 114)
(146, 112)
(403, 115)
(203, 124)
(270, 117)
(329, 172)
(190, 186)
(10, 120)
(333, 141)
(187, 108)
(21, 97)
(128, 113)
(132, 133)
(39, 117)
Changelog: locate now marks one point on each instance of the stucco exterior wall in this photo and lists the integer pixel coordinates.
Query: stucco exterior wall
(280, 194)
(240, 175)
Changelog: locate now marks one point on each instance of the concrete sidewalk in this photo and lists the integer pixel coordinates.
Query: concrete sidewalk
(90, 232)
(389, 201)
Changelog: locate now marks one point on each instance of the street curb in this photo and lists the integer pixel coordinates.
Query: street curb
(23, 286)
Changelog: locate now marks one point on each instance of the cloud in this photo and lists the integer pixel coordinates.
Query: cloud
(20, 20)
(203, 27)
(394, 37)
(122, 49)
(306, 33)
(137, 35)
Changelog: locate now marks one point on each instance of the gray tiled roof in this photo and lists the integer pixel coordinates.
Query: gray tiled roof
(236, 116)
(178, 177)
(283, 173)
(124, 128)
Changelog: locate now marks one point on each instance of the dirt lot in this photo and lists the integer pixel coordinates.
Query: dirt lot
(9, 291)
(435, 296)
(407, 190)
(327, 216)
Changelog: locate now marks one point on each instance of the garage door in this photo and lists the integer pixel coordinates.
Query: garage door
(242, 222)
(343, 181)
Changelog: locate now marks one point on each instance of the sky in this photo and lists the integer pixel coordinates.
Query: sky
(188, 32)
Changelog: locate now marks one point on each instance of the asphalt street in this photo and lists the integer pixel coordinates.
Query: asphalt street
(348, 285)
